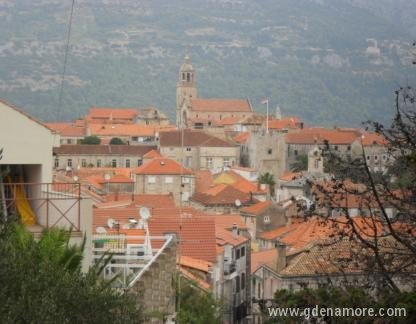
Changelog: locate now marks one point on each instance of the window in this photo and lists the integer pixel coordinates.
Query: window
(134, 138)
(226, 161)
(168, 180)
(269, 151)
(243, 281)
(69, 141)
(188, 161)
(69, 163)
(336, 147)
(375, 157)
(237, 284)
(114, 163)
(237, 254)
(98, 163)
(56, 163)
(151, 179)
(368, 157)
(349, 148)
(84, 163)
(295, 152)
(384, 157)
(209, 162)
(139, 162)
(243, 251)
(186, 180)
(316, 164)
(266, 219)
(127, 163)
(188, 149)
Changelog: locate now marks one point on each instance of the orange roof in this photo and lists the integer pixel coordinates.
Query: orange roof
(284, 123)
(193, 263)
(228, 121)
(369, 139)
(227, 221)
(221, 105)
(222, 194)
(152, 154)
(238, 182)
(289, 176)
(198, 244)
(111, 113)
(320, 135)
(265, 257)
(227, 237)
(68, 129)
(242, 137)
(162, 166)
(199, 281)
(258, 208)
(148, 200)
(203, 180)
(122, 130)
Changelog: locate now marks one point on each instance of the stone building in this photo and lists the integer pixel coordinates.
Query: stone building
(165, 176)
(198, 150)
(195, 112)
(82, 156)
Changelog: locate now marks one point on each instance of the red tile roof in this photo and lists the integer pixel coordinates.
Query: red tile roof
(152, 154)
(238, 182)
(221, 105)
(227, 221)
(224, 237)
(228, 121)
(111, 113)
(320, 135)
(122, 130)
(192, 138)
(68, 129)
(147, 200)
(265, 257)
(222, 194)
(137, 150)
(203, 180)
(258, 208)
(193, 263)
(242, 137)
(162, 166)
(289, 176)
(284, 123)
(369, 139)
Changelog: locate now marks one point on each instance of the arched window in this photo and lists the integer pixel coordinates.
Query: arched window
(183, 77)
(188, 77)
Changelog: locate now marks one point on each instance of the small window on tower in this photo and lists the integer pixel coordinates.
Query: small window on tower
(188, 77)
(183, 77)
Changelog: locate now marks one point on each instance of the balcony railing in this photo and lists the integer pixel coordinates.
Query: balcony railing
(128, 258)
(50, 204)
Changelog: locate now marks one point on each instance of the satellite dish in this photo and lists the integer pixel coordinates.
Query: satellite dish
(107, 177)
(126, 226)
(144, 213)
(101, 230)
(111, 222)
(132, 220)
(75, 179)
(237, 202)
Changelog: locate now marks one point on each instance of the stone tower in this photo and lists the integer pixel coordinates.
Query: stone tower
(315, 161)
(185, 90)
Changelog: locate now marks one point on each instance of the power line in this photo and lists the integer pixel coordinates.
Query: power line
(68, 38)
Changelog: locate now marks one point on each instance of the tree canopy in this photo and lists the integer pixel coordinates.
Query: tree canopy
(91, 140)
(42, 282)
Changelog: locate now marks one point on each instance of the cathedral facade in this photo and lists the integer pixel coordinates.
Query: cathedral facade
(194, 112)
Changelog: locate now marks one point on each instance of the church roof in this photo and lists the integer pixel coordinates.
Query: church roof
(221, 105)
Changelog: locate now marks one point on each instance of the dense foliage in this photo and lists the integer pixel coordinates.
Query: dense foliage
(41, 282)
(349, 297)
(116, 141)
(91, 140)
(310, 57)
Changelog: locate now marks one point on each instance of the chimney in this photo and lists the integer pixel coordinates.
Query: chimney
(281, 256)
(235, 230)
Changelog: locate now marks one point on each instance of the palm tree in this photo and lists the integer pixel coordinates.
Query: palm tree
(268, 179)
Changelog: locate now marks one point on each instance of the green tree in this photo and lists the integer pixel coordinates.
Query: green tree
(42, 282)
(197, 306)
(91, 140)
(268, 179)
(300, 163)
(116, 141)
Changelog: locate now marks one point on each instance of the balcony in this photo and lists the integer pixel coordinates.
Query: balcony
(43, 205)
(229, 268)
(129, 260)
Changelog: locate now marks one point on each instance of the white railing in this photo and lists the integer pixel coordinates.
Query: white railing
(128, 258)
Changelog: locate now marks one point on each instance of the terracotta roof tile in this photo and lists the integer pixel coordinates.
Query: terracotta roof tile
(111, 113)
(152, 154)
(258, 208)
(265, 257)
(221, 105)
(369, 139)
(122, 130)
(203, 180)
(223, 194)
(289, 176)
(147, 200)
(138, 150)
(68, 129)
(320, 135)
(242, 137)
(162, 166)
(284, 123)
(193, 263)
(238, 182)
(227, 221)
(224, 237)
(192, 138)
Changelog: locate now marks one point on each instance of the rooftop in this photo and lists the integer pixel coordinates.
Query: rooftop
(319, 135)
(191, 138)
(221, 105)
(162, 166)
(137, 150)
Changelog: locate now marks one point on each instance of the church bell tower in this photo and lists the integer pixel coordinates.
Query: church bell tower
(185, 90)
